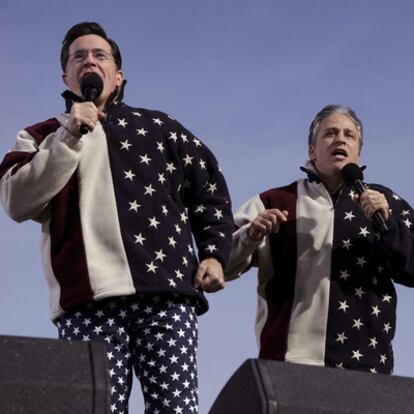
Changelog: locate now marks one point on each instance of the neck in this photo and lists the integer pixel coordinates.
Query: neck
(332, 183)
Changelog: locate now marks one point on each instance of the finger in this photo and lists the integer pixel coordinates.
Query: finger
(201, 270)
(212, 283)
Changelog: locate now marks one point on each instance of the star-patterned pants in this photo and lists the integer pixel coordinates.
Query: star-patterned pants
(156, 335)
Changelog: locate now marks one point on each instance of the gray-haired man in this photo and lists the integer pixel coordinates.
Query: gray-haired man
(326, 275)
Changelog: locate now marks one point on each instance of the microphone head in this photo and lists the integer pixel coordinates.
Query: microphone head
(351, 173)
(91, 82)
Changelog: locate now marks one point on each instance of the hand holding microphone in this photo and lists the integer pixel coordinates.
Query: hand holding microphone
(373, 203)
(84, 115)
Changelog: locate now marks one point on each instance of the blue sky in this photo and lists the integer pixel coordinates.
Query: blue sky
(247, 77)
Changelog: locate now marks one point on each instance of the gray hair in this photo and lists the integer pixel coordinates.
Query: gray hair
(329, 110)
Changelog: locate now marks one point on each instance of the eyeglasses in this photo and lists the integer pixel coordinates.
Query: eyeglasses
(98, 54)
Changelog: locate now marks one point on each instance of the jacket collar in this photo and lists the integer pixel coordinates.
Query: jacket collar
(116, 97)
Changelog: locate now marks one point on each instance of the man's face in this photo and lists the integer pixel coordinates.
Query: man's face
(76, 68)
(337, 143)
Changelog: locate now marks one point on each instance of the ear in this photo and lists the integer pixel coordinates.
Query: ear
(311, 152)
(119, 78)
(64, 76)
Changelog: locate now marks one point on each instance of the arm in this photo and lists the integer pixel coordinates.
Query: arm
(43, 159)
(253, 223)
(397, 244)
(207, 199)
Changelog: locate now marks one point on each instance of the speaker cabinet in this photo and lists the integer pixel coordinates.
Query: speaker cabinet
(48, 376)
(272, 387)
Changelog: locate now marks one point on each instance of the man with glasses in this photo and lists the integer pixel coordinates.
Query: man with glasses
(119, 207)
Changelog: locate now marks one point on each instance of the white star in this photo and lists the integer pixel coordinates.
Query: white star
(134, 205)
(161, 178)
(137, 114)
(405, 213)
(149, 190)
(125, 145)
(341, 338)
(344, 275)
(372, 370)
(349, 215)
(173, 136)
(383, 359)
(407, 223)
(356, 354)
(145, 159)
(218, 214)
(373, 342)
(175, 376)
(160, 147)
(359, 292)
(343, 306)
(364, 231)
(160, 255)
(387, 327)
(129, 175)
(199, 209)
(172, 283)
(375, 311)
(122, 122)
(184, 138)
(185, 261)
(346, 244)
(212, 188)
(202, 164)
(386, 298)
(357, 323)
(395, 197)
(187, 160)
(170, 167)
(197, 142)
(361, 261)
(151, 267)
(178, 229)
(142, 131)
(153, 222)
(139, 239)
(211, 248)
(183, 217)
(164, 209)
(171, 241)
(157, 121)
(178, 274)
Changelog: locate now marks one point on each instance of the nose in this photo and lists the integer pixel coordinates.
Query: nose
(90, 59)
(339, 137)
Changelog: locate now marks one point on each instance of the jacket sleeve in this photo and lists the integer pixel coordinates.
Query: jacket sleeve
(205, 195)
(245, 250)
(41, 162)
(397, 244)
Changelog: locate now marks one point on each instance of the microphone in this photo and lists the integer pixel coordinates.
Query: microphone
(91, 88)
(352, 176)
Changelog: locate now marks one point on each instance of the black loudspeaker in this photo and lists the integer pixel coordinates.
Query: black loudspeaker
(270, 387)
(48, 376)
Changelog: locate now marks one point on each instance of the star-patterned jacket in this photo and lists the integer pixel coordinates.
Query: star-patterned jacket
(119, 208)
(325, 292)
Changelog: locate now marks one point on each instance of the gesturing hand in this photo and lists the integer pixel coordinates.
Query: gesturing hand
(268, 221)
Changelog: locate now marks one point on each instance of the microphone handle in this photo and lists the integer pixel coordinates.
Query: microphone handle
(90, 96)
(378, 218)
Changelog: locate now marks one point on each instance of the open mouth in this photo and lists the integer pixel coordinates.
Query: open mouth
(339, 152)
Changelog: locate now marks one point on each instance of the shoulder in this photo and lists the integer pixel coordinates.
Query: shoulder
(275, 196)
